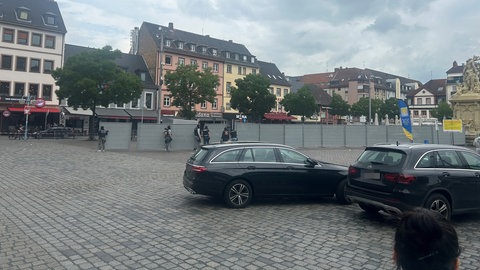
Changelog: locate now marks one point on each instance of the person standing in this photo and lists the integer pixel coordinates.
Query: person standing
(476, 143)
(225, 135)
(206, 135)
(168, 137)
(197, 134)
(102, 139)
(233, 136)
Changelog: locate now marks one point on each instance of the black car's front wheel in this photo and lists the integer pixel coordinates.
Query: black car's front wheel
(238, 194)
(340, 193)
(440, 204)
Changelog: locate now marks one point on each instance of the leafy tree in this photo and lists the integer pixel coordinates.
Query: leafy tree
(300, 103)
(361, 107)
(390, 107)
(92, 78)
(252, 97)
(444, 111)
(189, 86)
(338, 106)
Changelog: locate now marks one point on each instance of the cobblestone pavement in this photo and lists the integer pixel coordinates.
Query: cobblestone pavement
(65, 206)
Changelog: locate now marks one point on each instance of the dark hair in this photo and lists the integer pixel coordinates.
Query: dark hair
(425, 240)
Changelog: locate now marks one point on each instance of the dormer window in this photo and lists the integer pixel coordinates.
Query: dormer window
(23, 14)
(143, 76)
(50, 19)
(214, 52)
(192, 47)
(227, 54)
(236, 57)
(204, 49)
(252, 59)
(180, 45)
(168, 43)
(244, 58)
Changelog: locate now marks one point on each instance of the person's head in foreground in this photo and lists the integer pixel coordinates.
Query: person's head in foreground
(425, 240)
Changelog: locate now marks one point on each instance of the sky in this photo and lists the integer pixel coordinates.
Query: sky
(417, 39)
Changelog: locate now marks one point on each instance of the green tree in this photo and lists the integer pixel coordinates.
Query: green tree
(189, 86)
(390, 107)
(338, 106)
(300, 103)
(91, 78)
(361, 107)
(443, 111)
(252, 97)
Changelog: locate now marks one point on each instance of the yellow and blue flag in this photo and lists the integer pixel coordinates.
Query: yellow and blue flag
(405, 118)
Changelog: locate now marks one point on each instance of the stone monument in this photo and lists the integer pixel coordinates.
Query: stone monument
(466, 101)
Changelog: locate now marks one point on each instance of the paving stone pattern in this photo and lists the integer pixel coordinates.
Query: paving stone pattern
(65, 206)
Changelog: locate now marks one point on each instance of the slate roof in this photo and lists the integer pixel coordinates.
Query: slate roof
(321, 97)
(38, 9)
(174, 34)
(295, 83)
(129, 62)
(456, 68)
(436, 87)
(270, 71)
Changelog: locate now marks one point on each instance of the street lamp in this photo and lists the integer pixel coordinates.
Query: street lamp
(160, 75)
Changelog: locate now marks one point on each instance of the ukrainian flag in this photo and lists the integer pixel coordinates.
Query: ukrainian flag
(405, 118)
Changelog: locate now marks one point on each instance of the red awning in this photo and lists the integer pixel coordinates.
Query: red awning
(34, 109)
(168, 112)
(278, 116)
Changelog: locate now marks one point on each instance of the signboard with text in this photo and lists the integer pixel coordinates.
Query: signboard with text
(453, 125)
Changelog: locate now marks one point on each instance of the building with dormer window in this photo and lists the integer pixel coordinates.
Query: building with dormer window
(422, 100)
(31, 47)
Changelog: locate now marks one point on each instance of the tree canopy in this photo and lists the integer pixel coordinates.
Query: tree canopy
(92, 78)
(390, 108)
(251, 96)
(362, 107)
(338, 106)
(300, 103)
(443, 111)
(189, 86)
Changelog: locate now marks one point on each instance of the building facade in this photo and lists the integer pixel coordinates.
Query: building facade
(424, 99)
(31, 47)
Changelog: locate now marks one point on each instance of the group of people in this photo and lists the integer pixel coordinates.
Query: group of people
(204, 133)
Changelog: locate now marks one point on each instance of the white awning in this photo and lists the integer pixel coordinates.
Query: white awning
(78, 111)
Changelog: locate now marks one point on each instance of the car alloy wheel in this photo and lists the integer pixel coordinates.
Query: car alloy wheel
(440, 204)
(238, 194)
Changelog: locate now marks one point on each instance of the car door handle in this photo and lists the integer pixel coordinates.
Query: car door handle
(477, 175)
(251, 168)
(445, 174)
(290, 167)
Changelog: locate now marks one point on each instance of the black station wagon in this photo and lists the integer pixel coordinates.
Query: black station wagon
(396, 178)
(239, 172)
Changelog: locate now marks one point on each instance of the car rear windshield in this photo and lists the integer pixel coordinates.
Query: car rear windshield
(383, 157)
(198, 156)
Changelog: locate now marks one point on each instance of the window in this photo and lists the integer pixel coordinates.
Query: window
(7, 62)
(120, 105)
(271, 90)
(47, 66)
(134, 103)
(227, 54)
(237, 57)
(50, 19)
(244, 58)
(239, 71)
(285, 92)
(193, 62)
(50, 42)
(204, 65)
(254, 71)
(8, 35)
(472, 160)
(229, 68)
(289, 156)
(424, 113)
(5, 88)
(34, 65)
(21, 64)
(166, 101)
(228, 156)
(148, 100)
(203, 105)
(415, 113)
(192, 47)
(33, 90)
(36, 40)
(168, 60)
(428, 101)
(279, 92)
(215, 67)
(252, 59)
(228, 106)
(215, 104)
(204, 49)
(181, 61)
(214, 52)
(229, 87)
(244, 71)
(22, 37)
(168, 43)
(449, 159)
(419, 101)
(180, 45)
(19, 89)
(47, 92)
(261, 154)
(23, 15)
(143, 76)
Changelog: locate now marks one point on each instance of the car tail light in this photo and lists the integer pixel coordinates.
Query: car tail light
(198, 169)
(399, 178)
(352, 171)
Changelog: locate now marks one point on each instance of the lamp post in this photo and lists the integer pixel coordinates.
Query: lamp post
(26, 110)
(160, 76)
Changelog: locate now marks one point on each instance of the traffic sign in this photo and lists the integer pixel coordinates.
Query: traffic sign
(26, 110)
(40, 103)
(6, 113)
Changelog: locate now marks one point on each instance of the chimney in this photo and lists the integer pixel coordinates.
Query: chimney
(230, 41)
(455, 64)
(170, 25)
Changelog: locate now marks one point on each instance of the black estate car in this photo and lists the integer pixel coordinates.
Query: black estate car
(241, 171)
(395, 178)
(56, 132)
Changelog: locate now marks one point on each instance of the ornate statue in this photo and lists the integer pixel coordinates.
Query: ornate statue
(471, 73)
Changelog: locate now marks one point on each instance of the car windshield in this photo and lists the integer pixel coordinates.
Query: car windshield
(382, 157)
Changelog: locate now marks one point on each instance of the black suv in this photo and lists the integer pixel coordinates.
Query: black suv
(395, 178)
(238, 172)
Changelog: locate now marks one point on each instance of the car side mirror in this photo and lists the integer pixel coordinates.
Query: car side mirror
(311, 162)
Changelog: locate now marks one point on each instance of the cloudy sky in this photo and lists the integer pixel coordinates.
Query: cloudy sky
(417, 39)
